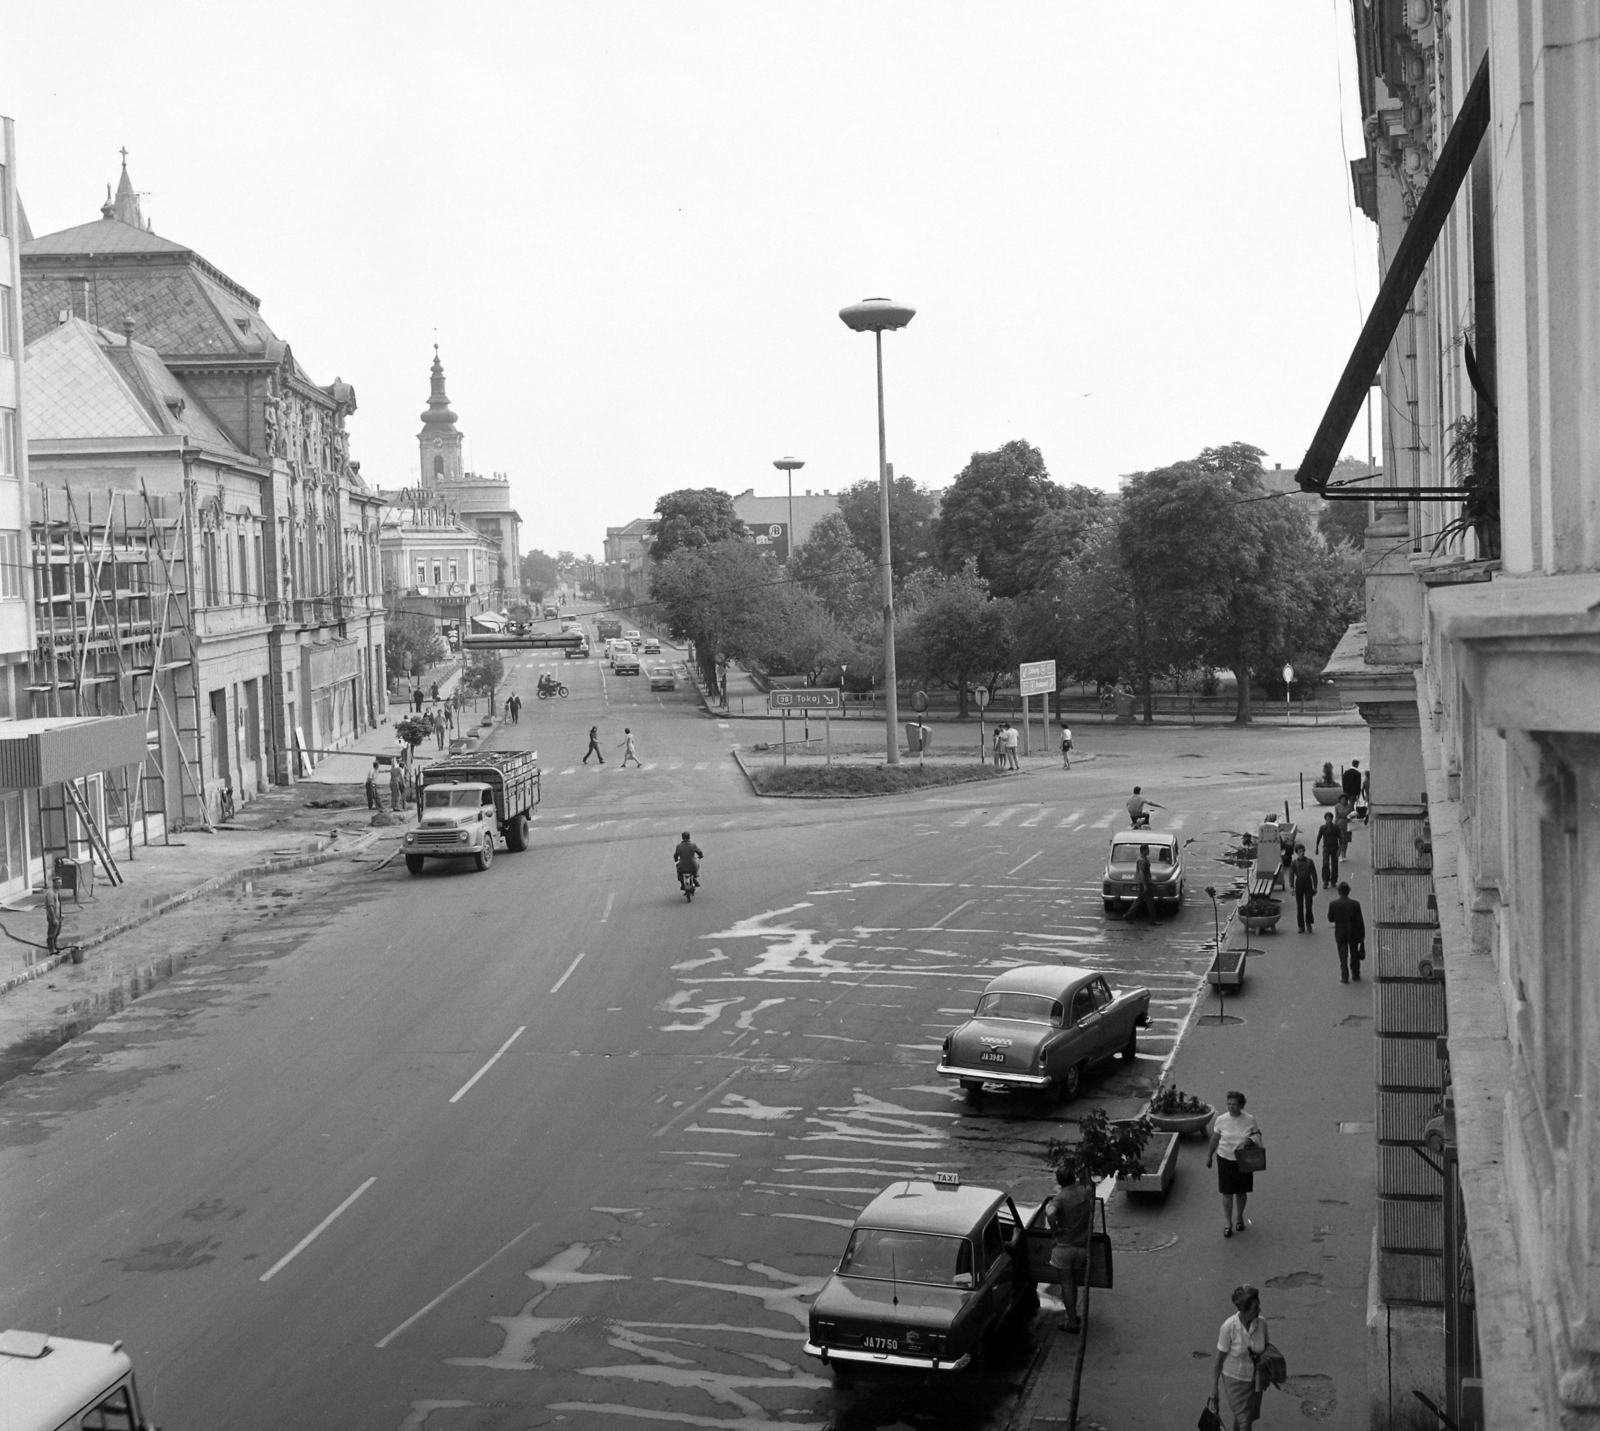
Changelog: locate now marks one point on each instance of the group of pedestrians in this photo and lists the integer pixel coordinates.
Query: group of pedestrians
(629, 750)
(1005, 746)
(402, 784)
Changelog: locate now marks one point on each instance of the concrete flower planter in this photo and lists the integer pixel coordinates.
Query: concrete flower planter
(1227, 969)
(1326, 794)
(1183, 1124)
(1160, 1164)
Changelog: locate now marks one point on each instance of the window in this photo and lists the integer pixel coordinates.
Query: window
(115, 1413)
(208, 553)
(992, 1244)
(422, 573)
(260, 570)
(6, 330)
(455, 571)
(438, 573)
(10, 565)
(244, 568)
(1082, 1005)
(8, 442)
(1100, 993)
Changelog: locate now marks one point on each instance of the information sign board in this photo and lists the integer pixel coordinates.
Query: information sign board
(812, 698)
(1037, 677)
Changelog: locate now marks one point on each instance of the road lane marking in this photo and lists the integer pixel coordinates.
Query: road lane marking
(1177, 821)
(1032, 820)
(1003, 816)
(968, 819)
(456, 1097)
(607, 914)
(1104, 822)
(563, 979)
(957, 910)
(416, 1317)
(695, 1107)
(700, 765)
(314, 1234)
(1071, 819)
(1031, 858)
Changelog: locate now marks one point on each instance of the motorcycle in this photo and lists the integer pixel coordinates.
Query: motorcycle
(549, 688)
(688, 882)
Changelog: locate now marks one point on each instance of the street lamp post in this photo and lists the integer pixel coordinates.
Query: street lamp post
(875, 315)
(789, 466)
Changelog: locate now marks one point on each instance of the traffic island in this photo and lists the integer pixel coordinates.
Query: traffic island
(853, 779)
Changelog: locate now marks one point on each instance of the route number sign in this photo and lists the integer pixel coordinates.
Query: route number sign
(817, 698)
(1037, 677)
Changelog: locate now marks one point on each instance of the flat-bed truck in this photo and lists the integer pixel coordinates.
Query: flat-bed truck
(472, 804)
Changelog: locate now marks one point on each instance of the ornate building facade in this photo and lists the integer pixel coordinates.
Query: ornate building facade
(299, 561)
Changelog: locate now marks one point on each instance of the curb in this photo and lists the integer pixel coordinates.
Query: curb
(199, 891)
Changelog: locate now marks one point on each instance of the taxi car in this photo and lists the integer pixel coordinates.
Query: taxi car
(1166, 869)
(1039, 1028)
(932, 1271)
(662, 679)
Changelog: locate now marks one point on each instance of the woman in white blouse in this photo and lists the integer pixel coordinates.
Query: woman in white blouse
(1233, 1373)
(1229, 1131)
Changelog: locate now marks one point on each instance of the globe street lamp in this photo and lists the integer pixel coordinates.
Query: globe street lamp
(875, 315)
(789, 466)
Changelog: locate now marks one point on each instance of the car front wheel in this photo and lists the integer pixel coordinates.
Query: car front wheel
(485, 857)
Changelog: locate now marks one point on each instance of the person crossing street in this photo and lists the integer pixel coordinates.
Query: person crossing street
(594, 745)
(1303, 877)
(1331, 843)
(628, 752)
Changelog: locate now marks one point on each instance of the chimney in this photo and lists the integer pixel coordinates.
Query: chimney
(127, 329)
(78, 296)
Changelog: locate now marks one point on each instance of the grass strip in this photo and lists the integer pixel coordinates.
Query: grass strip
(862, 779)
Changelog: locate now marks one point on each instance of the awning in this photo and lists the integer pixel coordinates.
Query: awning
(1416, 247)
(49, 750)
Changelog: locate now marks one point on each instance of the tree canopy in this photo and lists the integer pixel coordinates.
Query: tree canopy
(832, 567)
(692, 517)
(955, 633)
(723, 597)
(411, 644)
(989, 511)
(911, 520)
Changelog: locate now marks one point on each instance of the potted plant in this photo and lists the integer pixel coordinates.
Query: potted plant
(1260, 914)
(1326, 788)
(1174, 1111)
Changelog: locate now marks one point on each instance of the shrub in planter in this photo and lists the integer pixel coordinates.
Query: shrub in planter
(1327, 774)
(1103, 1148)
(1171, 1099)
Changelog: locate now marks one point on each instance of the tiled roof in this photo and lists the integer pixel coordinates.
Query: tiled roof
(175, 310)
(102, 236)
(83, 382)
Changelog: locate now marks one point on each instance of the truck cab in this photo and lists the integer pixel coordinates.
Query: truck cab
(473, 805)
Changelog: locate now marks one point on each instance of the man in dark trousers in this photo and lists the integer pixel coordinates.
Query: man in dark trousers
(374, 800)
(1303, 876)
(1350, 782)
(594, 745)
(52, 915)
(1330, 843)
(1144, 894)
(1349, 933)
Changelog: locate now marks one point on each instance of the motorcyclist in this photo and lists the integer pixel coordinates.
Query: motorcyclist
(1139, 810)
(687, 856)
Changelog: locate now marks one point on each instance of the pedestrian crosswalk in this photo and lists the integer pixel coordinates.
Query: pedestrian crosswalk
(1053, 817)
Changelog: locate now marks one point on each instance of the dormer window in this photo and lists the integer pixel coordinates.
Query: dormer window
(176, 405)
(243, 324)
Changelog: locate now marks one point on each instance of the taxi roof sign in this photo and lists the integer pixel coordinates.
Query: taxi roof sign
(947, 1180)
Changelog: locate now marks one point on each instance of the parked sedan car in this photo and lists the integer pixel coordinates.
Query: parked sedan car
(1040, 1027)
(931, 1270)
(662, 679)
(1166, 869)
(625, 665)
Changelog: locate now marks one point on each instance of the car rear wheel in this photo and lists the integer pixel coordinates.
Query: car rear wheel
(517, 834)
(1072, 1082)
(1130, 1050)
(1111, 906)
(973, 1088)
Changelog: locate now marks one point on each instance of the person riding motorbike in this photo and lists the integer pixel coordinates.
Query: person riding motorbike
(687, 856)
(1139, 810)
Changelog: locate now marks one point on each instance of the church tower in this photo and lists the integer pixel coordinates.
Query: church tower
(439, 439)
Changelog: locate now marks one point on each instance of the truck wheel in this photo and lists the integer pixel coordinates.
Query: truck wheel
(1072, 1082)
(414, 863)
(485, 857)
(1130, 1050)
(517, 834)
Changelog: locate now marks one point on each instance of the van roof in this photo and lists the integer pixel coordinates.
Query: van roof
(47, 1381)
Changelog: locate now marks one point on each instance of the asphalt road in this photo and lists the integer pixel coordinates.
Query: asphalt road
(546, 1145)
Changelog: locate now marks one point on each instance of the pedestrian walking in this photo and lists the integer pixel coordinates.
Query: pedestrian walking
(1066, 748)
(1331, 843)
(1341, 817)
(1241, 1340)
(514, 706)
(1303, 876)
(449, 717)
(1350, 782)
(52, 915)
(1011, 747)
(1230, 1131)
(1364, 799)
(397, 785)
(374, 799)
(433, 691)
(416, 699)
(594, 745)
(1000, 746)
(1349, 934)
(1144, 890)
(437, 722)
(628, 752)
(1070, 1215)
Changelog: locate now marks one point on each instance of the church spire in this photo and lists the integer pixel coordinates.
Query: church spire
(125, 206)
(440, 439)
(438, 412)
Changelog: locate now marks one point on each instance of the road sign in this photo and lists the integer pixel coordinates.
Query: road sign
(981, 696)
(919, 702)
(1038, 677)
(813, 698)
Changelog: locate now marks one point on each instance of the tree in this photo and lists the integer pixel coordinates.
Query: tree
(911, 519)
(1059, 535)
(955, 632)
(484, 675)
(723, 597)
(830, 566)
(989, 511)
(692, 517)
(806, 640)
(1346, 521)
(1220, 566)
(411, 644)
(539, 570)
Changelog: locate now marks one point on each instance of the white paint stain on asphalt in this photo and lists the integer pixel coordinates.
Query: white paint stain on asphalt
(522, 1331)
(693, 1017)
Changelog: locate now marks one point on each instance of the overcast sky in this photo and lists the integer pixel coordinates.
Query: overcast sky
(1127, 229)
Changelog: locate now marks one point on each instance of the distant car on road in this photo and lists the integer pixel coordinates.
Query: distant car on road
(1166, 869)
(1039, 1028)
(652, 647)
(632, 636)
(577, 653)
(932, 1270)
(625, 665)
(662, 679)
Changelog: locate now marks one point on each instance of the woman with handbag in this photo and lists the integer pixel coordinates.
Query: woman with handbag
(1230, 1132)
(1070, 1214)
(1242, 1339)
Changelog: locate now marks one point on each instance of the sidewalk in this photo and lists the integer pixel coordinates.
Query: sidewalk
(1302, 1053)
